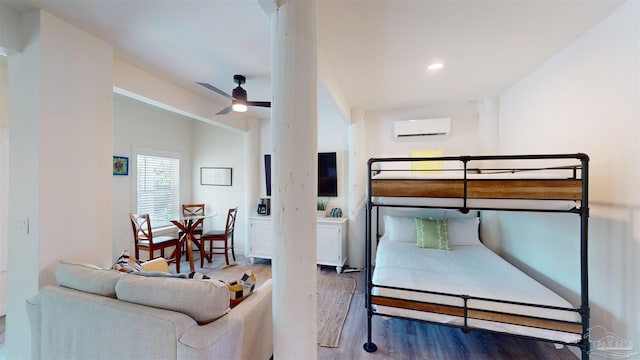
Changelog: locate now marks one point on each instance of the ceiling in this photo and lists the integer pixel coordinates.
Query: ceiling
(377, 50)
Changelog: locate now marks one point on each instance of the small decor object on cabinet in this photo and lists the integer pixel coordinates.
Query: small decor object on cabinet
(215, 176)
(322, 207)
(120, 165)
(335, 212)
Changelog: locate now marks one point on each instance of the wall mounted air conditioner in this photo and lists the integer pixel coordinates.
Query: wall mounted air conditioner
(424, 129)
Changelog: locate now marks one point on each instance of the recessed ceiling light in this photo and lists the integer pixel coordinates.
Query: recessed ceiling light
(435, 66)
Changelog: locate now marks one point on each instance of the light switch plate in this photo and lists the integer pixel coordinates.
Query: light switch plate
(23, 226)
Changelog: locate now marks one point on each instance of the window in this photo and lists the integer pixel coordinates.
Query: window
(158, 187)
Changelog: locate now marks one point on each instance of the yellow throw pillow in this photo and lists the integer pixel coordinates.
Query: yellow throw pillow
(157, 264)
(426, 167)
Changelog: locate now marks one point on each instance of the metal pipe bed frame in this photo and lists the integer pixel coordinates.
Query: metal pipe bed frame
(580, 171)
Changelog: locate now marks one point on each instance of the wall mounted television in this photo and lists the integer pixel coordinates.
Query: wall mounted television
(327, 174)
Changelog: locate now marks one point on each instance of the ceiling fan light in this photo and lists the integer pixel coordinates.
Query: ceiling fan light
(239, 107)
(239, 102)
(435, 66)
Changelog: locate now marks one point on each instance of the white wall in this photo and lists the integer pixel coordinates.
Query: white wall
(140, 125)
(462, 141)
(585, 99)
(9, 31)
(60, 115)
(147, 87)
(214, 146)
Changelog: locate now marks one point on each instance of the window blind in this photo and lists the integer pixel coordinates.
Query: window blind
(158, 188)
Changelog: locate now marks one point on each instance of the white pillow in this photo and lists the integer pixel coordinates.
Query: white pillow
(398, 228)
(464, 231)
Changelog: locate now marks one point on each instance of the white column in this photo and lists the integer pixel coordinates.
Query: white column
(252, 169)
(294, 163)
(357, 187)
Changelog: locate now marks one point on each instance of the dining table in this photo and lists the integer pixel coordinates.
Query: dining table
(187, 224)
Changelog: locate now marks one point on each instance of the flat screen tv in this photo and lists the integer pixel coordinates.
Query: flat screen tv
(327, 174)
(267, 173)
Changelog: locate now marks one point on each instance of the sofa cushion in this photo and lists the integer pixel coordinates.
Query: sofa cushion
(87, 277)
(202, 300)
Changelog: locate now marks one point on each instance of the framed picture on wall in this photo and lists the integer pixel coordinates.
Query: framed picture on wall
(120, 165)
(219, 176)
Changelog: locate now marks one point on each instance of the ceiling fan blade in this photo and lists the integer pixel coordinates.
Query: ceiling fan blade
(259, 103)
(215, 89)
(224, 111)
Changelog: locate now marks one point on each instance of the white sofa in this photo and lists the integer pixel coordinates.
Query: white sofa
(86, 317)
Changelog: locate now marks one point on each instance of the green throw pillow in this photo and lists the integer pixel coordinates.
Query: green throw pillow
(433, 234)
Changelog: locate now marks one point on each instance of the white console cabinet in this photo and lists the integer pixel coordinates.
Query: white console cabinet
(332, 240)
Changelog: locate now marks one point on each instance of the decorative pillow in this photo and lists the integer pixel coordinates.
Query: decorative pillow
(157, 264)
(240, 289)
(86, 277)
(397, 228)
(126, 263)
(432, 234)
(464, 231)
(204, 301)
(198, 276)
(426, 167)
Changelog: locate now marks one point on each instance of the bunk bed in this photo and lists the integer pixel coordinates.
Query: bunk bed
(461, 288)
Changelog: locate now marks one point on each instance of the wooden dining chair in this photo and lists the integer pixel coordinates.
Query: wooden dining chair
(222, 238)
(144, 239)
(191, 210)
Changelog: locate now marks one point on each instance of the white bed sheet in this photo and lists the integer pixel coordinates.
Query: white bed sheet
(466, 270)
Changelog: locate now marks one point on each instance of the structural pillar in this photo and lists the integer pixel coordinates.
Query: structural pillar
(252, 169)
(294, 164)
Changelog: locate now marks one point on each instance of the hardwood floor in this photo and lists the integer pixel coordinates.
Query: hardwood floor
(404, 340)
(407, 340)
(399, 339)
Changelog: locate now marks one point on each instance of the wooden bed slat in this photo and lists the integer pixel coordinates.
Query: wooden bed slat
(479, 314)
(535, 189)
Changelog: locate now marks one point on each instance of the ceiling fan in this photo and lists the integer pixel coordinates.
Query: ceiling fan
(238, 98)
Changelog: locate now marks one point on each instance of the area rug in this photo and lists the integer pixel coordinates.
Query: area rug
(334, 297)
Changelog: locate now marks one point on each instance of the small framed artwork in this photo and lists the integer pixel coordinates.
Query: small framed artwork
(219, 176)
(120, 165)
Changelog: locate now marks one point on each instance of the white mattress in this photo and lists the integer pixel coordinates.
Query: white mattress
(466, 270)
(452, 175)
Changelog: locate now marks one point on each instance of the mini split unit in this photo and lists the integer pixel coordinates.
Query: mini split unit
(423, 129)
